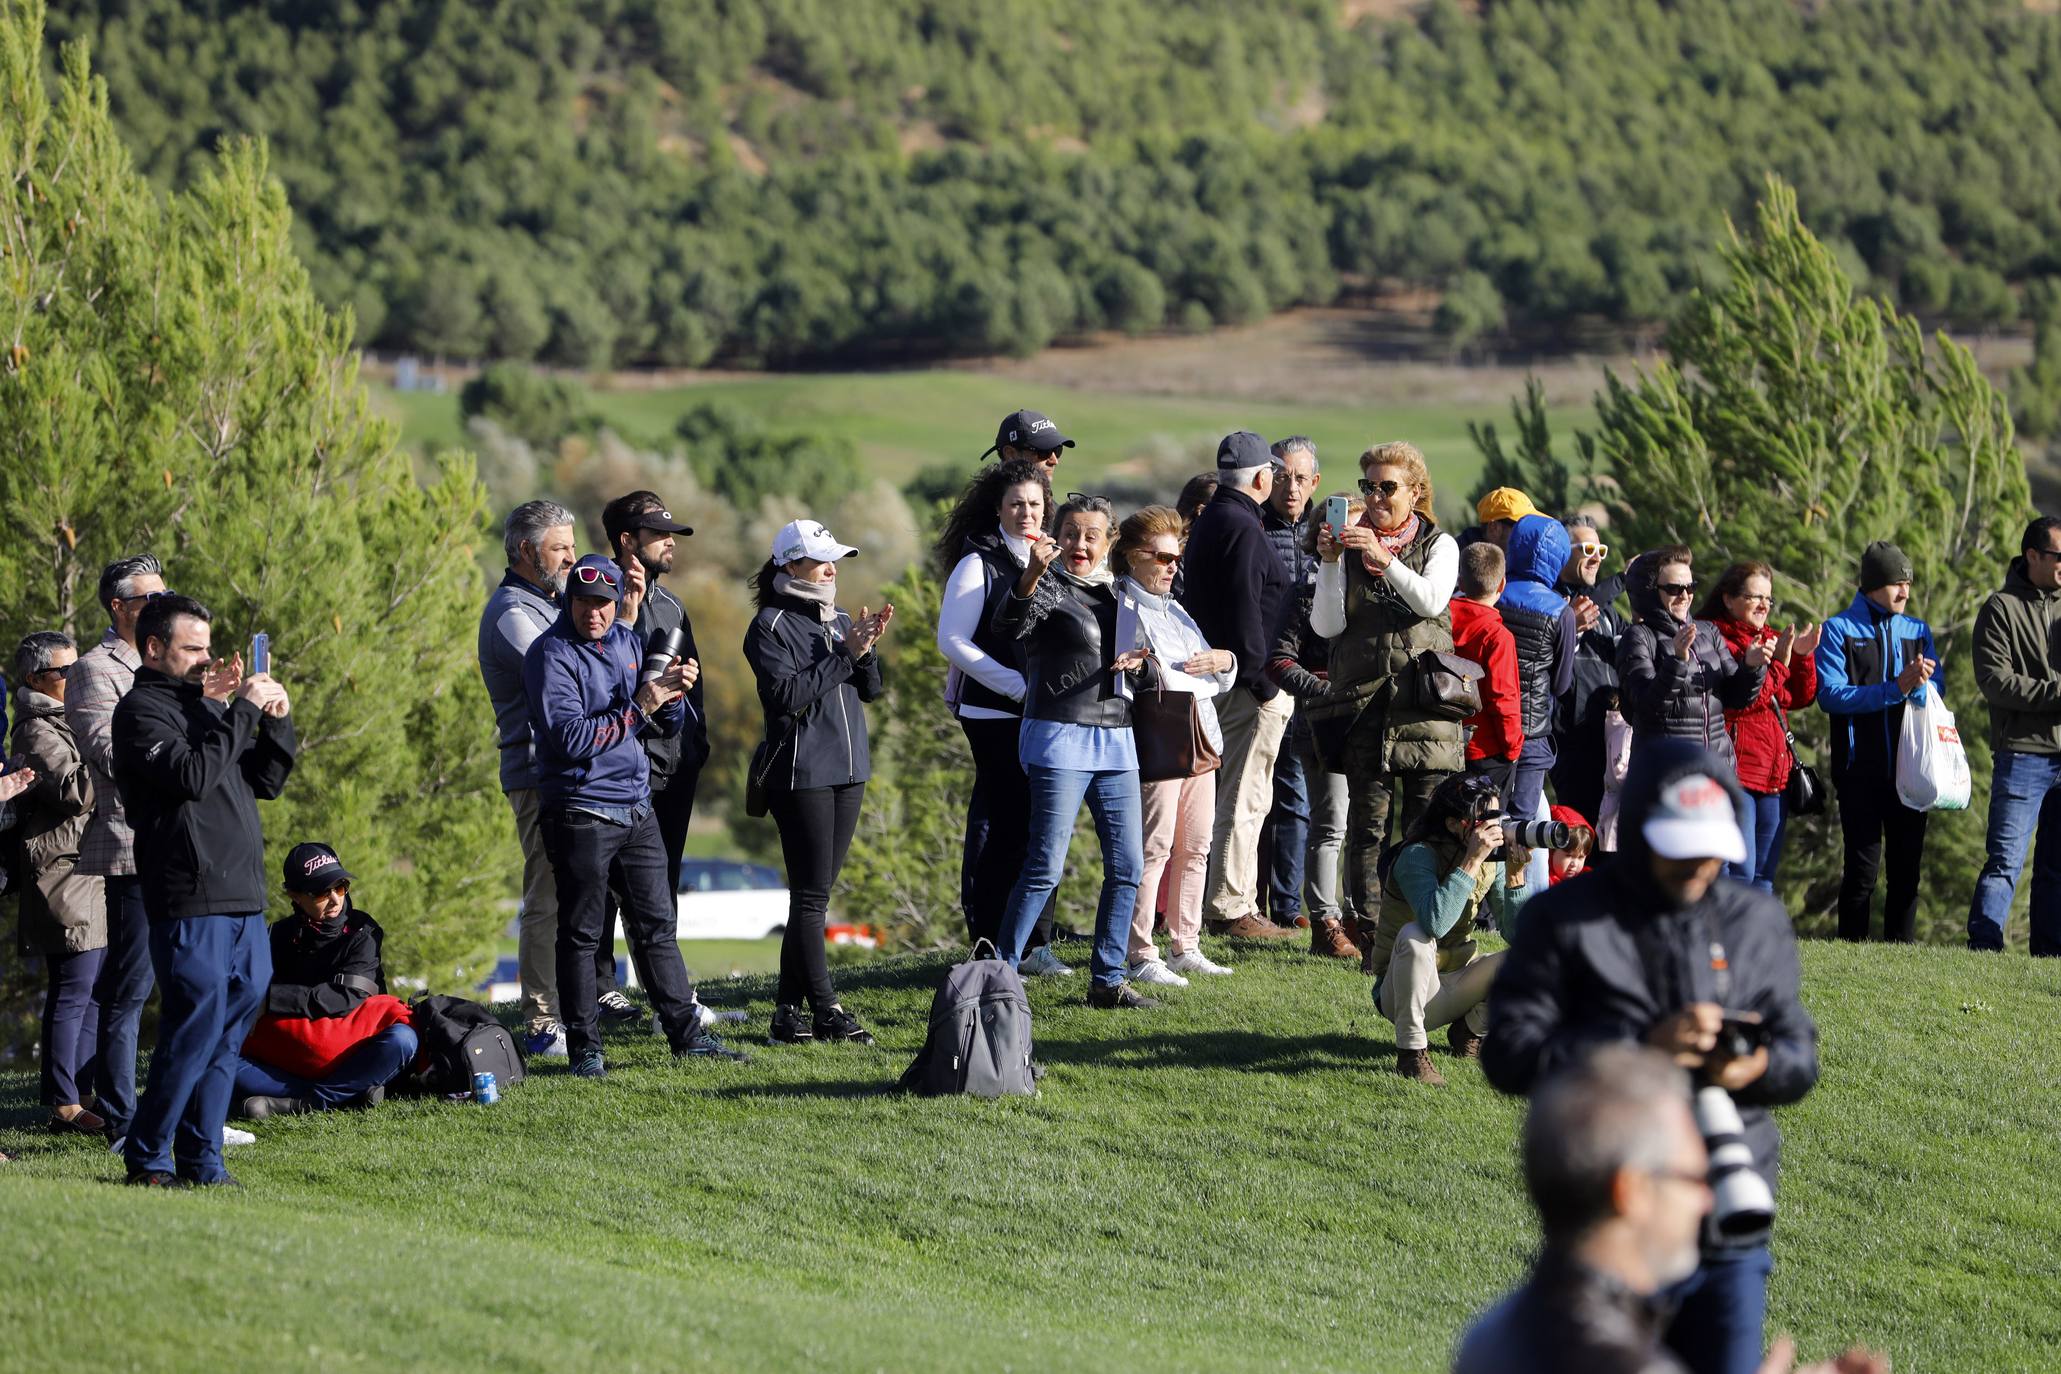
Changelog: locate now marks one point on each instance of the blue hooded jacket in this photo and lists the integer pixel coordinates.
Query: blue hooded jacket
(584, 719)
(1862, 650)
(1539, 618)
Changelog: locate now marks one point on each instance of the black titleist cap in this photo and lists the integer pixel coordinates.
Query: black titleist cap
(313, 867)
(1028, 429)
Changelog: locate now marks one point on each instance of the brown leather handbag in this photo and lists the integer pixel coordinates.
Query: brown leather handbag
(1445, 686)
(1171, 742)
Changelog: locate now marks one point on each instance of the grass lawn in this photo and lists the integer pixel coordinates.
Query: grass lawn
(902, 421)
(1232, 1182)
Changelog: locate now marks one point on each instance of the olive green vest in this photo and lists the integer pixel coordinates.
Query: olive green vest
(1381, 637)
(1456, 948)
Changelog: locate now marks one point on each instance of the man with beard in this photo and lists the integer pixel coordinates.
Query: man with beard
(1578, 724)
(1657, 947)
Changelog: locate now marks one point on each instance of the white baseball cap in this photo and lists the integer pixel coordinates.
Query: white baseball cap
(1693, 819)
(808, 539)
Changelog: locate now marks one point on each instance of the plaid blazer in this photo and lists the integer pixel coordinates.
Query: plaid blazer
(100, 678)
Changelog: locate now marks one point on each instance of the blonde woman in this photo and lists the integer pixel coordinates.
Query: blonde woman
(1381, 600)
(1179, 813)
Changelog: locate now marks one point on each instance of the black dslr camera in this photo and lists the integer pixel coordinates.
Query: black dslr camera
(1524, 834)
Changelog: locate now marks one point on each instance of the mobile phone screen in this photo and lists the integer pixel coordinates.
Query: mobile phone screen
(260, 653)
(1336, 513)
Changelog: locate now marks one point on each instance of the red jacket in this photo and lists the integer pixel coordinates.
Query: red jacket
(1757, 736)
(1497, 730)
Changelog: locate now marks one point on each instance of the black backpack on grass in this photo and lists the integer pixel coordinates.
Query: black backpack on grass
(980, 1034)
(459, 1039)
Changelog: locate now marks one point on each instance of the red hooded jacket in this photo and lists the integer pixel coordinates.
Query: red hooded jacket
(1496, 730)
(1757, 735)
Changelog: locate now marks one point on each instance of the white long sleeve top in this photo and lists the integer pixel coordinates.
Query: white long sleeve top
(1426, 593)
(965, 601)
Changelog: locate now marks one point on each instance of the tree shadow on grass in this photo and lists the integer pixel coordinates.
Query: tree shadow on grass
(1249, 1051)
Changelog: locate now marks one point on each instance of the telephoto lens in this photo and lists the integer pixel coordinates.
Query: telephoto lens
(1742, 1204)
(663, 649)
(1538, 834)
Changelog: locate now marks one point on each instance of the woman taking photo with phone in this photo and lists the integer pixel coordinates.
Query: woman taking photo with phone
(1076, 740)
(815, 665)
(1178, 812)
(980, 553)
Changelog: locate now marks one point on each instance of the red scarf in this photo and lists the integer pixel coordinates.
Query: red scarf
(1395, 540)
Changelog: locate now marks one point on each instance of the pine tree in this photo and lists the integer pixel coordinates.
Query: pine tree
(170, 383)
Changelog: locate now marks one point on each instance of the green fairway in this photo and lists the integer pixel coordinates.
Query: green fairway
(902, 421)
(1235, 1181)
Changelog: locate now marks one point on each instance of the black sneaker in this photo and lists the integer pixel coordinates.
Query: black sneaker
(229, 1181)
(699, 1044)
(614, 1009)
(1118, 997)
(839, 1024)
(155, 1178)
(790, 1027)
(589, 1065)
(370, 1098)
(258, 1108)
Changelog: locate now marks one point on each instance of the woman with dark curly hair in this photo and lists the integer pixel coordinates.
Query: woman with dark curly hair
(983, 548)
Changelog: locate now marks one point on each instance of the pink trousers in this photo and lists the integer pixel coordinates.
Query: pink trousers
(1179, 814)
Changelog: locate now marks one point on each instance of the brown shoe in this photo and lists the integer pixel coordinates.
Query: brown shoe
(1328, 940)
(1416, 1064)
(1466, 1044)
(1363, 936)
(1248, 927)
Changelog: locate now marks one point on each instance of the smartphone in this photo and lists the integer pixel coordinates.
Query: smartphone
(1337, 512)
(260, 653)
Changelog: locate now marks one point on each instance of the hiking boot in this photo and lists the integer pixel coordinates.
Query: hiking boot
(790, 1026)
(614, 1009)
(1364, 938)
(1416, 1064)
(1117, 997)
(1328, 940)
(839, 1024)
(258, 1108)
(699, 1044)
(1466, 1044)
(589, 1065)
(155, 1178)
(1249, 927)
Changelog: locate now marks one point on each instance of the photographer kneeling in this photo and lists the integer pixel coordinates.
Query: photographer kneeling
(1658, 947)
(1450, 862)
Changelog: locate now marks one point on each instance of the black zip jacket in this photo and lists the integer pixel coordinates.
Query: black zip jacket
(685, 752)
(1235, 585)
(1603, 957)
(1665, 696)
(318, 974)
(811, 687)
(1301, 662)
(1568, 1318)
(191, 773)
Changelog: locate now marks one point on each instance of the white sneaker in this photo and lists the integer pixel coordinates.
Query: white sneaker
(1195, 961)
(1043, 963)
(547, 1041)
(1157, 973)
(236, 1135)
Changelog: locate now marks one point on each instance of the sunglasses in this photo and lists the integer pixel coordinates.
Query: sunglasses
(1590, 549)
(1165, 560)
(1386, 487)
(1671, 589)
(591, 574)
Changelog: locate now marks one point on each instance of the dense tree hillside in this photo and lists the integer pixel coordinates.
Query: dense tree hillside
(677, 181)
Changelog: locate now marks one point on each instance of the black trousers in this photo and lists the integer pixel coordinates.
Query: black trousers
(816, 826)
(997, 829)
(588, 856)
(673, 807)
(1869, 813)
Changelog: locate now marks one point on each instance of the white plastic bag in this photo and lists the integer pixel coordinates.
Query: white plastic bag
(1931, 765)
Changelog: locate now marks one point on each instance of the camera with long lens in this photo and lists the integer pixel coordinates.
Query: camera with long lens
(1524, 834)
(1742, 1205)
(665, 646)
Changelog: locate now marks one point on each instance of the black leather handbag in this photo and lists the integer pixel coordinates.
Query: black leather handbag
(1804, 793)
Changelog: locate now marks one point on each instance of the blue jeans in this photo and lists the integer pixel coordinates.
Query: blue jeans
(124, 986)
(212, 972)
(1720, 1312)
(1288, 828)
(1056, 795)
(1765, 821)
(2024, 805)
(1528, 776)
(371, 1063)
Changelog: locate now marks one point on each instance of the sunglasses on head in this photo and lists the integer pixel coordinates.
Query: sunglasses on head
(591, 574)
(1589, 548)
(1386, 487)
(145, 596)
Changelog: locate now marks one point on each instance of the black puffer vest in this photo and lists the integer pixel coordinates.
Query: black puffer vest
(1066, 651)
(1537, 635)
(1000, 571)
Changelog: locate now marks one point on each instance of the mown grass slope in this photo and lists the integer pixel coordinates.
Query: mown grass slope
(1232, 1182)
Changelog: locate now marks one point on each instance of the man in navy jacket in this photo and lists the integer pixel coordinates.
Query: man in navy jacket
(588, 711)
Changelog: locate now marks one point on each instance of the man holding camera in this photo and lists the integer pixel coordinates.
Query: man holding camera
(1451, 862)
(196, 746)
(1657, 947)
(590, 706)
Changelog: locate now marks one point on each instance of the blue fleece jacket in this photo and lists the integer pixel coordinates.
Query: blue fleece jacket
(1862, 650)
(585, 719)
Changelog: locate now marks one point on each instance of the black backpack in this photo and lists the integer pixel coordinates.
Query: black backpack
(980, 1034)
(459, 1039)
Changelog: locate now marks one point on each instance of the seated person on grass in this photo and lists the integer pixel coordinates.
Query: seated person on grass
(330, 1036)
(1437, 880)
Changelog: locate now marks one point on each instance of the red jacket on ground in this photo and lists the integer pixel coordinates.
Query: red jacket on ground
(1497, 730)
(1757, 736)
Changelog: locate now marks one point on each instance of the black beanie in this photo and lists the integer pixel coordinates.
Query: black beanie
(1883, 563)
